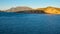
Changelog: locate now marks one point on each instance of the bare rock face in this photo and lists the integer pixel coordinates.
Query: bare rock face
(18, 9)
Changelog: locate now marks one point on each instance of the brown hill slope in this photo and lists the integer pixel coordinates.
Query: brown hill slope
(51, 10)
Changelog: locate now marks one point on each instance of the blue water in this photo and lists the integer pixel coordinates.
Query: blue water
(20, 23)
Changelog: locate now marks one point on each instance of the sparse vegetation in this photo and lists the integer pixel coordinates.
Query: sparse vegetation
(47, 10)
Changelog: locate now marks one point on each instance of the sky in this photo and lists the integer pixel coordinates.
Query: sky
(6, 4)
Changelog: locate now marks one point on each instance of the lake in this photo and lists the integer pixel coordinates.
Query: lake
(20, 23)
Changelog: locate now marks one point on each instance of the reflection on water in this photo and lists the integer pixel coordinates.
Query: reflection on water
(12, 23)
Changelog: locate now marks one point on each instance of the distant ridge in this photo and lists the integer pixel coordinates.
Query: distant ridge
(19, 9)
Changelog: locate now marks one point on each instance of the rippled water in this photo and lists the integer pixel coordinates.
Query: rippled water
(14, 23)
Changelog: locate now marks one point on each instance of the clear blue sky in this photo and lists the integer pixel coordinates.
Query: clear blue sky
(6, 4)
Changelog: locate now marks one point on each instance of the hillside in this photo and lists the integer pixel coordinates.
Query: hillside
(50, 10)
(47, 10)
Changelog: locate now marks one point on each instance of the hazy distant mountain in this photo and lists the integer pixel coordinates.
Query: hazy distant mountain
(0, 10)
(18, 9)
(50, 10)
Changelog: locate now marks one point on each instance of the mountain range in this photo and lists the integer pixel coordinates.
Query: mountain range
(47, 10)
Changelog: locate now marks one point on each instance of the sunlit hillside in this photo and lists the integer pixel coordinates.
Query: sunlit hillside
(50, 10)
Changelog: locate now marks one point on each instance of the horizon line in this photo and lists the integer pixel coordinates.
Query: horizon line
(30, 7)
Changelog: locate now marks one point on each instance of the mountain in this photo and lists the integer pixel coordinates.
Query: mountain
(0, 10)
(32, 11)
(47, 10)
(18, 9)
(50, 10)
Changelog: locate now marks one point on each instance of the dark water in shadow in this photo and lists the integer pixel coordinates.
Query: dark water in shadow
(12, 23)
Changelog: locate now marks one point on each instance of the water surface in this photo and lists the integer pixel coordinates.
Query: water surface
(13, 23)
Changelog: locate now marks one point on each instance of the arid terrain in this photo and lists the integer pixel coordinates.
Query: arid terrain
(47, 10)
